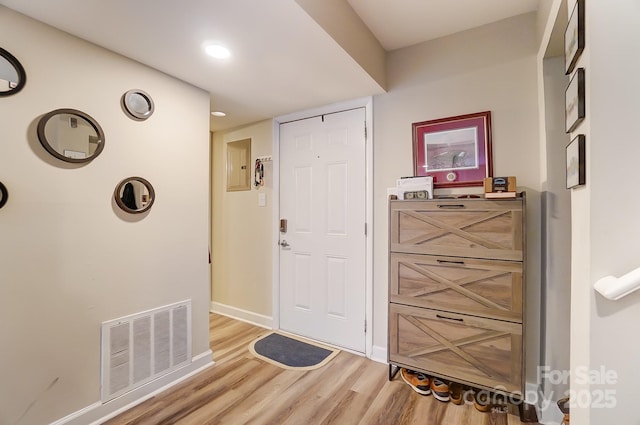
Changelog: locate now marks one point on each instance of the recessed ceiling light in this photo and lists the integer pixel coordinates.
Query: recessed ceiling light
(218, 114)
(217, 51)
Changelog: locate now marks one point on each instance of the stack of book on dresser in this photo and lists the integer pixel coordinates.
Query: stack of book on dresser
(500, 187)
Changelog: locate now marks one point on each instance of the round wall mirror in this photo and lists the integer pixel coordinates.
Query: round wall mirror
(4, 195)
(12, 75)
(71, 135)
(137, 104)
(134, 195)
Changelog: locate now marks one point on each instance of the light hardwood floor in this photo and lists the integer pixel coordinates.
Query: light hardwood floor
(241, 389)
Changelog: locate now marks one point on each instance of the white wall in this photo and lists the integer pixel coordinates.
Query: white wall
(612, 221)
(341, 22)
(242, 231)
(69, 258)
(604, 219)
(489, 68)
(544, 10)
(556, 243)
(7, 71)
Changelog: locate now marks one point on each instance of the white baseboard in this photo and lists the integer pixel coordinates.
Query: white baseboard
(379, 354)
(242, 315)
(99, 412)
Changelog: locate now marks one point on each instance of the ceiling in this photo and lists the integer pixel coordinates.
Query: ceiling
(282, 61)
(402, 23)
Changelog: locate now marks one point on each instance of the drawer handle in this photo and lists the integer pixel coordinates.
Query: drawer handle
(451, 206)
(449, 318)
(450, 262)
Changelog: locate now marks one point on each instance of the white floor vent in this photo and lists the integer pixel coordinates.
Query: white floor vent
(142, 347)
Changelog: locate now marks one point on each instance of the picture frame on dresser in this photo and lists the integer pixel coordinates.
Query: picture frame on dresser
(455, 151)
(575, 101)
(576, 171)
(574, 38)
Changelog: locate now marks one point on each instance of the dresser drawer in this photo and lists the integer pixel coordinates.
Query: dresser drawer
(476, 228)
(490, 288)
(469, 349)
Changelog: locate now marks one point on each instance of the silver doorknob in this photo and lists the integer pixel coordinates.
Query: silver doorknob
(284, 244)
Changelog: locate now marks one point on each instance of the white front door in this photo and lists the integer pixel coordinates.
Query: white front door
(323, 251)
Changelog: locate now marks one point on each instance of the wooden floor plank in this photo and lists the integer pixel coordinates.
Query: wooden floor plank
(242, 389)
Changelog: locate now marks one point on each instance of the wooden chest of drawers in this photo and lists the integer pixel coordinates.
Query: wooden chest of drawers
(456, 292)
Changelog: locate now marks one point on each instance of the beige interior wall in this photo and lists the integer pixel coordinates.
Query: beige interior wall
(489, 68)
(556, 213)
(556, 247)
(241, 232)
(69, 258)
(545, 8)
(343, 24)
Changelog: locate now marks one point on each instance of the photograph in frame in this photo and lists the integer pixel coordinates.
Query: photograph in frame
(574, 101)
(574, 37)
(455, 151)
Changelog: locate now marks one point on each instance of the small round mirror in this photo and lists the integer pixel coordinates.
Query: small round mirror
(71, 135)
(4, 195)
(12, 75)
(134, 195)
(137, 104)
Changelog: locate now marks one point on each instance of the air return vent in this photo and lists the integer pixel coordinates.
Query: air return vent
(139, 348)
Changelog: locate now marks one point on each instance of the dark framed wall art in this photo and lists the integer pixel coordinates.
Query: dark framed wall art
(574, 37)
(576, 171)
(574, 101)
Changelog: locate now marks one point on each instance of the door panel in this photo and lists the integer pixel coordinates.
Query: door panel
(303, 281)
(322, 195)
(336, 286)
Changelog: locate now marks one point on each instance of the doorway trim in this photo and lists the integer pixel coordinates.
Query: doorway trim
(367, 103)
